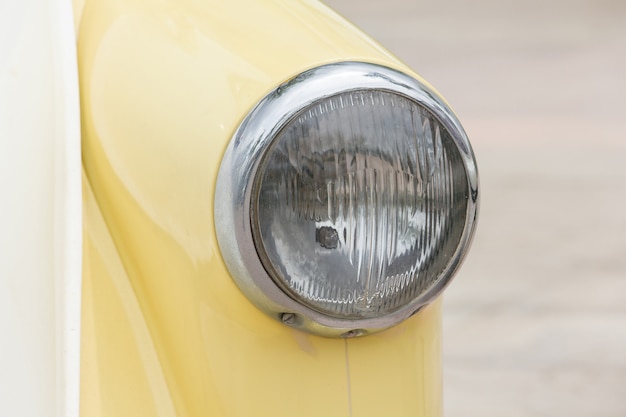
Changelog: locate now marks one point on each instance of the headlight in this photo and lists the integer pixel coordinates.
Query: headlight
(346, 199)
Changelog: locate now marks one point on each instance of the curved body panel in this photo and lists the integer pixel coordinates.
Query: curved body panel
(166, 331)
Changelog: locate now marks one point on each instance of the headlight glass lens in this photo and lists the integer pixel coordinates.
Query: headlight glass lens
(359, 204)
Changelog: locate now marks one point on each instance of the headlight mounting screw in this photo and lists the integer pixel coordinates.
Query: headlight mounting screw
(288, 318)
(353, 333)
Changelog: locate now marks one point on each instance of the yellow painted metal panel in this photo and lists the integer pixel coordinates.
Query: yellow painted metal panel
(192, 355)
(398, 372)
(163, 87)
(121, 374)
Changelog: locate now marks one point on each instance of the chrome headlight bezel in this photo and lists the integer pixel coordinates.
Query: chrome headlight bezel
(244, 155)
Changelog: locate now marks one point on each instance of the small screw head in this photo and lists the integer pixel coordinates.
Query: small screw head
(353, 333)
(288, 318)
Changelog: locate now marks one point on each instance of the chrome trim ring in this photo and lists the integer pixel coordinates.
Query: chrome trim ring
(243, 157)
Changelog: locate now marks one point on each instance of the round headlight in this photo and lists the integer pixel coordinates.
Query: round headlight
(346, 199)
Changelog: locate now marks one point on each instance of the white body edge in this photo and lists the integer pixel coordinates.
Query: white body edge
(40, 210)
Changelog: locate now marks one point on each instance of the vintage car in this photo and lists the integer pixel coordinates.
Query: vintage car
(221, 208)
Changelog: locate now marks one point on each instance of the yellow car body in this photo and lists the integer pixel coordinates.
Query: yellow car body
(164, 329)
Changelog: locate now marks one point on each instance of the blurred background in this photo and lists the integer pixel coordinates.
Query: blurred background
(535, 322)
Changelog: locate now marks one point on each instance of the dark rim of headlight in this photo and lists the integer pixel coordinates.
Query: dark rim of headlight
(346, 200)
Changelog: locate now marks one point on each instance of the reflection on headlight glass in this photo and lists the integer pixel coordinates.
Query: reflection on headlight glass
(360, 204)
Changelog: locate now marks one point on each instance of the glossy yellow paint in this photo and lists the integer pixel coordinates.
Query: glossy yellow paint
(398, 372)
(166, 332)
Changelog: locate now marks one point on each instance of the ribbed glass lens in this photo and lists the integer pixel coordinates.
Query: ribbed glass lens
(359, 204)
